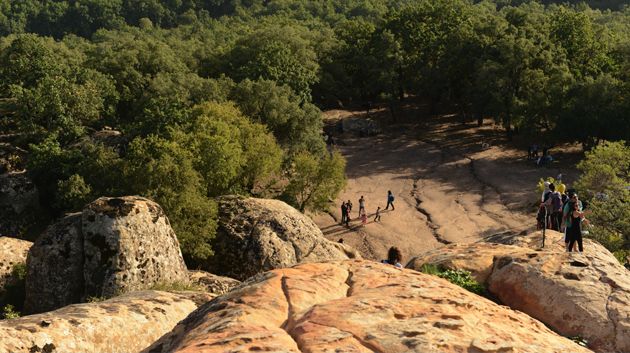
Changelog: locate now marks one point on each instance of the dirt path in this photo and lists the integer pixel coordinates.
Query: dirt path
(447, 188)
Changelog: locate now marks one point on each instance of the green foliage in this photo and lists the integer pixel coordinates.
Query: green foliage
(461, 278)
(163, 171)
(73, 193)
(232, 153)
(9, 312)
(604, 180)
(296, 125)
(315, 181)
(278, 53)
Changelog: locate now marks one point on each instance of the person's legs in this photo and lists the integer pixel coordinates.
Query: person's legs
(579, 241)
(570, 247)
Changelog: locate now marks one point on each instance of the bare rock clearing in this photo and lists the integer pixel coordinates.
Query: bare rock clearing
(453, 183)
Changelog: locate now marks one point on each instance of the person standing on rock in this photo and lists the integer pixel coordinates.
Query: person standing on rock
(394, 257)
(566, 219)
(390, 200)
(361, 205)
(344, 212)
(575, 231)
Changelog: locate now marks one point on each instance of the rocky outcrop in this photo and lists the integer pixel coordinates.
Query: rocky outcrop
(19, 204)
(115, 245)
(356, 306)
(586, 295)
(126, 323)
(256, 235)
(12, 252)
(212, 284)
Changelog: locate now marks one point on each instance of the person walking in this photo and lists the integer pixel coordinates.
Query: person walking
(377, 218)
(390, 200)
(361, 205)
(349, 205)
(344, 212)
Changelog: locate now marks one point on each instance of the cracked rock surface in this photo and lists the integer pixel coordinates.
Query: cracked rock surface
(576, 294)
(257, 235)
(126, 323)
(356, 306)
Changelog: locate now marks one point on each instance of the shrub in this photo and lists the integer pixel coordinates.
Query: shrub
(461, 278)
(9, 312)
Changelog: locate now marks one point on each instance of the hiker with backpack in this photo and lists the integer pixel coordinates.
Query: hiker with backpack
(554, 207)
(390, 200)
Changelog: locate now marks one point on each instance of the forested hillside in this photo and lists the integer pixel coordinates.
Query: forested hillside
(182, 101)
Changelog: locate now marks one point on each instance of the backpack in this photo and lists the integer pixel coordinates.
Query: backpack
(556, 202)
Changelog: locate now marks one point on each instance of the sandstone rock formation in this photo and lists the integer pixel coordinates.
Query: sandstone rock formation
(586, 295)
(115, 245)
(256, 235)
(212, 284)
(356, 306)
(126, 323)
(12, 252)
(19, 204)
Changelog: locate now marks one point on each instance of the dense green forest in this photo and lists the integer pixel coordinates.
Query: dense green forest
(216, 97)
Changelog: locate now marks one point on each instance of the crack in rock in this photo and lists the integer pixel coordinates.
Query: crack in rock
(287, 326)
(427, 215)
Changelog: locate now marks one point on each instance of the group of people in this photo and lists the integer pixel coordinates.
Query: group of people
(346, 209)
(561, 210)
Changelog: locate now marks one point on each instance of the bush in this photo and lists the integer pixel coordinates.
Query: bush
(461, 278)
(8, 312)
(315, 181)
(605, 181)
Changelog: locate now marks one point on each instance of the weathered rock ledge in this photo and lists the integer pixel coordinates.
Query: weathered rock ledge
(356, 306)
(577, 294)
(126, 323)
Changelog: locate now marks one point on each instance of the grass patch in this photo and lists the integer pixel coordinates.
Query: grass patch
(461, 278)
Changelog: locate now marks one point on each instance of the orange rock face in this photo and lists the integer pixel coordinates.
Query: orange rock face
(356, 306)
(577, 294)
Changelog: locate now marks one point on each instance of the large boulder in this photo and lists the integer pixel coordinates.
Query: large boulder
(257, 235)
(577, 294)
(356, 306)
(19, 204)
(126, 323)
(115, 245)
